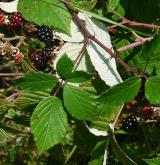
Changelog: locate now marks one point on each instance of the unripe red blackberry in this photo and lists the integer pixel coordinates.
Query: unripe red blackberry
(44, 33)
(147, 111)
(130, 123)
(2, 18)
(16, 20)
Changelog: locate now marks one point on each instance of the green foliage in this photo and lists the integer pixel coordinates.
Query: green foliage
(122, 93)
(154, 161)
(36, 81)
(65, 69)
(42, 12)
(79, 103)
(97, 154)
(84, 4)
(48, 123)
(152, 89)
(120, 154)
(25, 99)
(148, 57)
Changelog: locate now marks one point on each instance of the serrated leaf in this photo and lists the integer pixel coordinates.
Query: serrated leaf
(101, 60)
(79, 103)
(26, 98)
(120, 154)
(152, 89)
(97, 155)
(64, 66)
(123, 92)
(36, 81)
(46, 12)
(48, 123)
(154, 161)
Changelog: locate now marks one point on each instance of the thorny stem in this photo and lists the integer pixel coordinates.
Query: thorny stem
(135, 44)
(88, 35)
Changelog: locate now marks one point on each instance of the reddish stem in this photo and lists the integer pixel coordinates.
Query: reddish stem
(135, 44)
(88, 35)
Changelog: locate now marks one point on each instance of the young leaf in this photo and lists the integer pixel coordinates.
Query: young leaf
(36, 81)
(64, 66)
(122, 93)
(48, 123)
(101, 60)
(121, 156)
(79, 103)
(154, 161)
(42, 12)
(97, 155)
(152, 89)
(64, 69)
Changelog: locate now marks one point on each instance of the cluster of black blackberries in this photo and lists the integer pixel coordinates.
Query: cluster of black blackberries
(130, 123)
(40, 58)
(44, 33)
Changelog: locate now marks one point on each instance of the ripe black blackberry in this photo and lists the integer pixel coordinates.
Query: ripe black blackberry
(41, 57)
(16, 20)
(44, 33)
(47, 53)
(37, 59)
(130, 123)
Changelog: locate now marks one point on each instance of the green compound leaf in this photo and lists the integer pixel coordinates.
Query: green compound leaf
(122, 93)
(48, 123)
(64, 66)
(36, 82)
(152, 89)
(79, 103)
(46, 12)
(154, 161)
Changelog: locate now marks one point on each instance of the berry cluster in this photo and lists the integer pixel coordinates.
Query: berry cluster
(44, 33)
(130, 123)
(2, 18)
(16, 20)
(40, 58)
